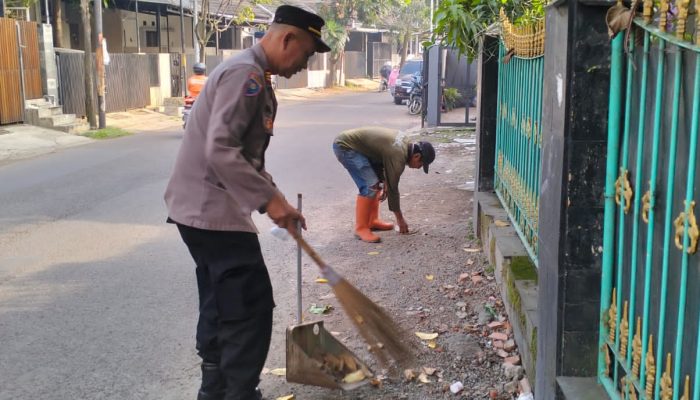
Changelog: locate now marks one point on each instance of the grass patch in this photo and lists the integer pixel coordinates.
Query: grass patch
(107, 133)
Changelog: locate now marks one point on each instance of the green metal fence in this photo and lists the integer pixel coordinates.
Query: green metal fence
(519, 141)
(650, 293)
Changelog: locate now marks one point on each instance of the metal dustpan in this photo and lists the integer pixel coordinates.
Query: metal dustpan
(315, 357)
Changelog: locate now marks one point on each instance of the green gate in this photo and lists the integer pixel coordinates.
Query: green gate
(519, 128)
(650, 293)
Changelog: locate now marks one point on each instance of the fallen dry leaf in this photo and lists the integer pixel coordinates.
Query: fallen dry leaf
(373, 253)
(429, 370)
(463, 277)
(502, 353)
(497, 344)
(354, 377)
(470, 261)
(427, 336)
(279, 371)
(495, 325)
(432, 344)
(472, 250)
(409, 374)
(376, 382)
(287, 397)
(499, 336)
(350, 363)
(321, 280)
(500, 223)
(423, 378)
(477, 279)
(429, 277)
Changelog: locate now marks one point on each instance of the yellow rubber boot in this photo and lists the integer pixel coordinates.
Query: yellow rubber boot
(363, 208)
(374, 222)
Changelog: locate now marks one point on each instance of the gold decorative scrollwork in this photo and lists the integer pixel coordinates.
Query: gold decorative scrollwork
(528, 128)
(693, 231)
(697, 22)
(686, 390)
(637, 349)
(663, 14)
(682, 19)
(623, 189)
(651, 369)
(606, 355)
(624, 332)
(666, 381)
(632, 392)
(648, 10)
(646, 206)
(612, 316)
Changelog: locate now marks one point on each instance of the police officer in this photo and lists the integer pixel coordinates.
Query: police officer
(219, 179)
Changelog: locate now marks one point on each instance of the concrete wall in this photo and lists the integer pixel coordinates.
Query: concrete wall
(161, 92)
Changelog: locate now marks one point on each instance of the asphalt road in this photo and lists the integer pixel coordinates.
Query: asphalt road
(97, 293)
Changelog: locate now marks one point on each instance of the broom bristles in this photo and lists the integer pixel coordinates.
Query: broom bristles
(383, 335)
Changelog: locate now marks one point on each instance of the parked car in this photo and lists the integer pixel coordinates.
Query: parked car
(402, 87)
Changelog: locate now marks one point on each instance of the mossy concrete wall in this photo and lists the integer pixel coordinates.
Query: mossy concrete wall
(515, 274)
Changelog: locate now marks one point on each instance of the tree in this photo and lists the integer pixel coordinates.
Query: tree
(225, 14)
(460, 23)
(335, 36)
(407, 19)
(340, 15)
(57, 23)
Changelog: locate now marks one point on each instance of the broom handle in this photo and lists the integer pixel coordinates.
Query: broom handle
(311, 252)
(329, 273)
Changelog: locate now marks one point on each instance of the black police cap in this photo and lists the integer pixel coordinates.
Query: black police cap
(310, 22)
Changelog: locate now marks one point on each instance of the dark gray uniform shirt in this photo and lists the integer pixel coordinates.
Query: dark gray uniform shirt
(219, 177)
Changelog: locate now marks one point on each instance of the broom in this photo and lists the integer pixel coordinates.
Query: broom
(381, 333)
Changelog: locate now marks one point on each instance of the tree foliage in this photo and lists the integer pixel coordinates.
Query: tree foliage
(460, 23)
(407, 18)
(218, 15)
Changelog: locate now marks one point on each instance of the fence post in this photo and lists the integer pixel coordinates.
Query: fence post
(574, 130)
(486, 107)
(20, 54)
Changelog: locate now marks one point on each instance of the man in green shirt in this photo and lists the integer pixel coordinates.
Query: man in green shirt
(376, 157)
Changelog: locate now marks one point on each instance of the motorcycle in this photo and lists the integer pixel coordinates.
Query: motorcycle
(415, 96)
(189, 102)
(383, 85)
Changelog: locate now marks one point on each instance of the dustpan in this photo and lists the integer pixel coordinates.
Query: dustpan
(314, 356)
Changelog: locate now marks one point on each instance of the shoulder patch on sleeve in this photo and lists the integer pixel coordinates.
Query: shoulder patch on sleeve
(253, 85)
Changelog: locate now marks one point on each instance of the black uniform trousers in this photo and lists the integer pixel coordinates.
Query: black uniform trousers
(235, 305)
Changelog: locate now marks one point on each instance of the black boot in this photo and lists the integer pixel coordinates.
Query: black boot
(212, 383)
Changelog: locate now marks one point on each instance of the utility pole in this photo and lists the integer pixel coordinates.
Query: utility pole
(183, 59)
(99, 64)
(194, 34)
(138, 34)
(87, 67)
